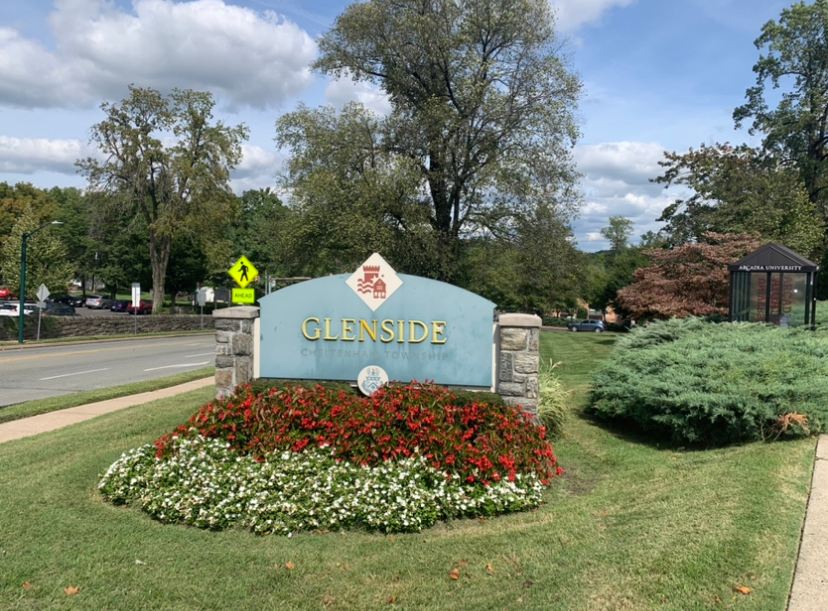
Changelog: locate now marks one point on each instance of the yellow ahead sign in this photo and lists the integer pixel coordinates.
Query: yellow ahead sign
(243, 272)
(243, 296)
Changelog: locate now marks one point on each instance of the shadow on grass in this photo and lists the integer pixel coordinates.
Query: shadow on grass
(630, 431)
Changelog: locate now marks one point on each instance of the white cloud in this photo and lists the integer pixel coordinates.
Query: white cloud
(342, 90)
(30, 155)
(571, 14)
(258, 169)
(247, 58)
(629, 162)
(616, 181)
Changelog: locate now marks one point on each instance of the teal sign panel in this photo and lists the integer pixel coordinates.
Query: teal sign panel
(425, 330)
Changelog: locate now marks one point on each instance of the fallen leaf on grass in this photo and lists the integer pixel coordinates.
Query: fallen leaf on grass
(454, 574)
(392, 600)
(489, 568)
(743, 590)
(27, 586)
(289, 565)
(71, 590)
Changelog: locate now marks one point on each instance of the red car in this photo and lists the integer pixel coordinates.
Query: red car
(5, 293)
(144, 307)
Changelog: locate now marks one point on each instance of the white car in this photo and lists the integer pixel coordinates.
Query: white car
(11, 308)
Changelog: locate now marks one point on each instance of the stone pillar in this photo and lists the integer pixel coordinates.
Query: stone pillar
(234, 347)
(517, 358)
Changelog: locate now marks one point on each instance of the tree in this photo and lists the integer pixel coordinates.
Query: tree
(618, 233)
(351, 195)
(46, 260)
(794, 59)
(167, 161)
(739, 190)
(688, 280)
(482, 106)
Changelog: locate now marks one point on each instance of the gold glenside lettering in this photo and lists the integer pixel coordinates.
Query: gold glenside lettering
(386, 331)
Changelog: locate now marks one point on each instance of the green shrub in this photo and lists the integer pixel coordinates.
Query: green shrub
(552, 401)
(703, 383)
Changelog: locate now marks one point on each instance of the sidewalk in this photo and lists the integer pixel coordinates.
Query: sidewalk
(34, 425)
(810, 586)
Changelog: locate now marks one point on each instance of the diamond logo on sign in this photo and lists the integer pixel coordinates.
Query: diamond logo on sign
(371, 379)
(374, 281)
(243, 272)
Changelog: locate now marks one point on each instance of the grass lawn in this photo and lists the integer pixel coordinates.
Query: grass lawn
(630, 526)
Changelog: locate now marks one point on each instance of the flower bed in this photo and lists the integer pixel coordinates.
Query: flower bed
(297, 458)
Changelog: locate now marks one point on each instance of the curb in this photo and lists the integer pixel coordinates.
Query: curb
(51, 421)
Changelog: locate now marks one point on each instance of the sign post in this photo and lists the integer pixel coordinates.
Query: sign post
(136, 302)
(42, 295)
(201, 299)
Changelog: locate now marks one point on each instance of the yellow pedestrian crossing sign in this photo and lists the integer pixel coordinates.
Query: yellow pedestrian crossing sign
(243, 272)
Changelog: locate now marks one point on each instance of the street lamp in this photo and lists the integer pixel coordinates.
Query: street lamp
(22, 312)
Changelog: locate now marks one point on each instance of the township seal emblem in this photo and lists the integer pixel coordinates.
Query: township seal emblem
(374, 281)
(371, 379)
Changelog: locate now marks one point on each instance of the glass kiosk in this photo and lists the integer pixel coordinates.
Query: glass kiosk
(774, 285)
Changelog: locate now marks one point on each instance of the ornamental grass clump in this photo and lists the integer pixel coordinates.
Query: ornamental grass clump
(297, 458)
(696, 382)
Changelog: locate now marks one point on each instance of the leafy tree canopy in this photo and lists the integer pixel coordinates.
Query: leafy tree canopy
(688, 280)
(46, 258)
(482, 107)
(789, 101)
(167, 161)
(738, 189)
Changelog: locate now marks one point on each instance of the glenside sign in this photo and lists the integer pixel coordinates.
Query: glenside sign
(413, 328)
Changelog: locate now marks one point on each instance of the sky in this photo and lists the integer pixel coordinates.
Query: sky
(657, 75)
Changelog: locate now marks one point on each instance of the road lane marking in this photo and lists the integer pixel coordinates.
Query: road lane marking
(189, 356)
(77, 373)
(16, 359)
(178, 365)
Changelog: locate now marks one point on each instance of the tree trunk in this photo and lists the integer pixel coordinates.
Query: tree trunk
(159, 257)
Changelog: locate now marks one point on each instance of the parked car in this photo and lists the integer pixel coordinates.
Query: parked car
(97, 302)
(56, 308)
(144, 307)
(12, 308)
(596, 326)
(66, 299)
(5, 293)
(119, 305)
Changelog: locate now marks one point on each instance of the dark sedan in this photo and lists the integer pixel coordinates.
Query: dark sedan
(119, 305)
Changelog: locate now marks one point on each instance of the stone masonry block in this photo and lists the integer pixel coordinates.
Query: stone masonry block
(225, 324)
(223, 360)
(224, 349)
(510, 389)
(526, 362)
(242, 344)
(224, 379)
(244, 370)
(246, 326)
(505, 367)
(223, 337)
(534, 340)
(532, 387)
(513, 339)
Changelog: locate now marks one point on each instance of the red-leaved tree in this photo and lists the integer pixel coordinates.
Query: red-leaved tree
(688, 280)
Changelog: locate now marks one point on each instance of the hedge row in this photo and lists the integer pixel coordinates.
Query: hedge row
(704, 383)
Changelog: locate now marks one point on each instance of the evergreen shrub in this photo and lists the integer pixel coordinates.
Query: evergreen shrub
(697, 382)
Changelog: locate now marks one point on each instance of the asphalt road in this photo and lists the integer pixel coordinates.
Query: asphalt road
(48, 371)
